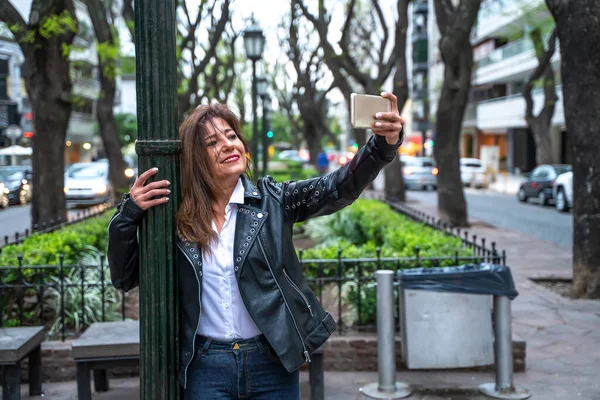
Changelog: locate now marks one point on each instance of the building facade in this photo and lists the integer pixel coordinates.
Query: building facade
(504, 58)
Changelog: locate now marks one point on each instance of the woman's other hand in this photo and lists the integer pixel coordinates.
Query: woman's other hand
(145, 196)
(389, 124)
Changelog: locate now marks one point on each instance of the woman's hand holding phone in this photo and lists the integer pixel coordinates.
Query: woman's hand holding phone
(388, 124)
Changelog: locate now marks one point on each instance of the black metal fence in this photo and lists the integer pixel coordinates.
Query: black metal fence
(52, 225)
(478, 244)
(63, 298)
(350, 282)
(68, 298)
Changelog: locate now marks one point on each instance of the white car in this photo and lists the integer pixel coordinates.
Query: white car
(87, 184)
(562, 191)
(472, 173)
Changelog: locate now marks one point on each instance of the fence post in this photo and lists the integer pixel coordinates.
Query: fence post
(386, 387)
(503, 388)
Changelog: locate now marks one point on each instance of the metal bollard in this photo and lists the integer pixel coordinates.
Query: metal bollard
(386, 387)
(503, 388)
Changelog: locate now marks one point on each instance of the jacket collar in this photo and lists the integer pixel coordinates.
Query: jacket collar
(250, 190)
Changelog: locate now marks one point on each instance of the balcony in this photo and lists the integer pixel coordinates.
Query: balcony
(500, 18)
(509, 111)
(509, 63)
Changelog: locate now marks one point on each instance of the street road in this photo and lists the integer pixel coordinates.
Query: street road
(504, 211)
(18, 218)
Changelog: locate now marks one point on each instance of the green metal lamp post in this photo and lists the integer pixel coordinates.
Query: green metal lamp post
(262, 86)
(158, 146)
(266, 102)
(254, 44)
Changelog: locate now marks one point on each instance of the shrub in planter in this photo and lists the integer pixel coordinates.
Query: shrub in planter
(75, 242)
(359, 230)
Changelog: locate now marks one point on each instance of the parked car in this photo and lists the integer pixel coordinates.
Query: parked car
(294, 155)
(419, 172)
(17, 184)
(539, 184)
(562, 191)
(87, 184)
(472, 173)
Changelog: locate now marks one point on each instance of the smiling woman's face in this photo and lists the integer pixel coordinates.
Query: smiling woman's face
(226, 150)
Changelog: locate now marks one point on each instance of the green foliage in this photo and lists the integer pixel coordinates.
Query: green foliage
(108, 53)
(127, 65)
(56, 25)
(66, 49)
(281, 127)
(360, 231)
(73, 241)
(127, 128)
(75, 294)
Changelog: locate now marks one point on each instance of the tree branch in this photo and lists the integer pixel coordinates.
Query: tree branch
(129, 17)
(443, 12)
(12, 18)
(544, 58)
(386, 35)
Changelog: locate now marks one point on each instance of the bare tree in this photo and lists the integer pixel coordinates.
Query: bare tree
(285, 98)
(108, 53)
(455, 21)
(311, 100)
(578, 28)
(196, 74)
(543, 75)
(363, 58)
(45, 41)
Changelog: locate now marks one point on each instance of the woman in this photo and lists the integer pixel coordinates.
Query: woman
(249, 318)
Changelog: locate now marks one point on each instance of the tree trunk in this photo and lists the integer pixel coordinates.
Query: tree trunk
(455, 23)
(580, 57)
(47, 80)
(540, 125)
(542, 139)
(105, 104)
(452, 206)
(394, 180)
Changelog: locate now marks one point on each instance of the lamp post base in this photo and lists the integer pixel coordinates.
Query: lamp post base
(489, 389)
(372, 391)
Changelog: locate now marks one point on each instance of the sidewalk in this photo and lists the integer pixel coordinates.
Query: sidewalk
(562, 335)
(506, 183)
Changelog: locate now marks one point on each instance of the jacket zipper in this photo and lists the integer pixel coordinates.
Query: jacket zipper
(297, 289)
(200, 306)
(306, 355)
(119, 210)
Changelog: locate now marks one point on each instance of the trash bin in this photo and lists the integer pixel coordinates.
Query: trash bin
(446, 314)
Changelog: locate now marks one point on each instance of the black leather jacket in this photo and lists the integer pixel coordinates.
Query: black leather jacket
(269, 274)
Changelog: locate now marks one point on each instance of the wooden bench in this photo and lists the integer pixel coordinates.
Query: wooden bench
(110, 344)
(102, 346)
(15, 345)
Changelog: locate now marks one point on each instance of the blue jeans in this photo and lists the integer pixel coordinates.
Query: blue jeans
(252, 371)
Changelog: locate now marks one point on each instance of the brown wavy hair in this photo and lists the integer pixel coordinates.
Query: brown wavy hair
(200, 189)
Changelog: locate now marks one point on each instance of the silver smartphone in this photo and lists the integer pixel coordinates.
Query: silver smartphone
(364, 106)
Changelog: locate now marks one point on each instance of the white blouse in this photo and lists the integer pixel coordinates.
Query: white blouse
(224, 316)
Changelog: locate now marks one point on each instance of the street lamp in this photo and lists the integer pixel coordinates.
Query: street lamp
(254, 43)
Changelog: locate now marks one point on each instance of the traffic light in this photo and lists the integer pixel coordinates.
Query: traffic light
(270, 134)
